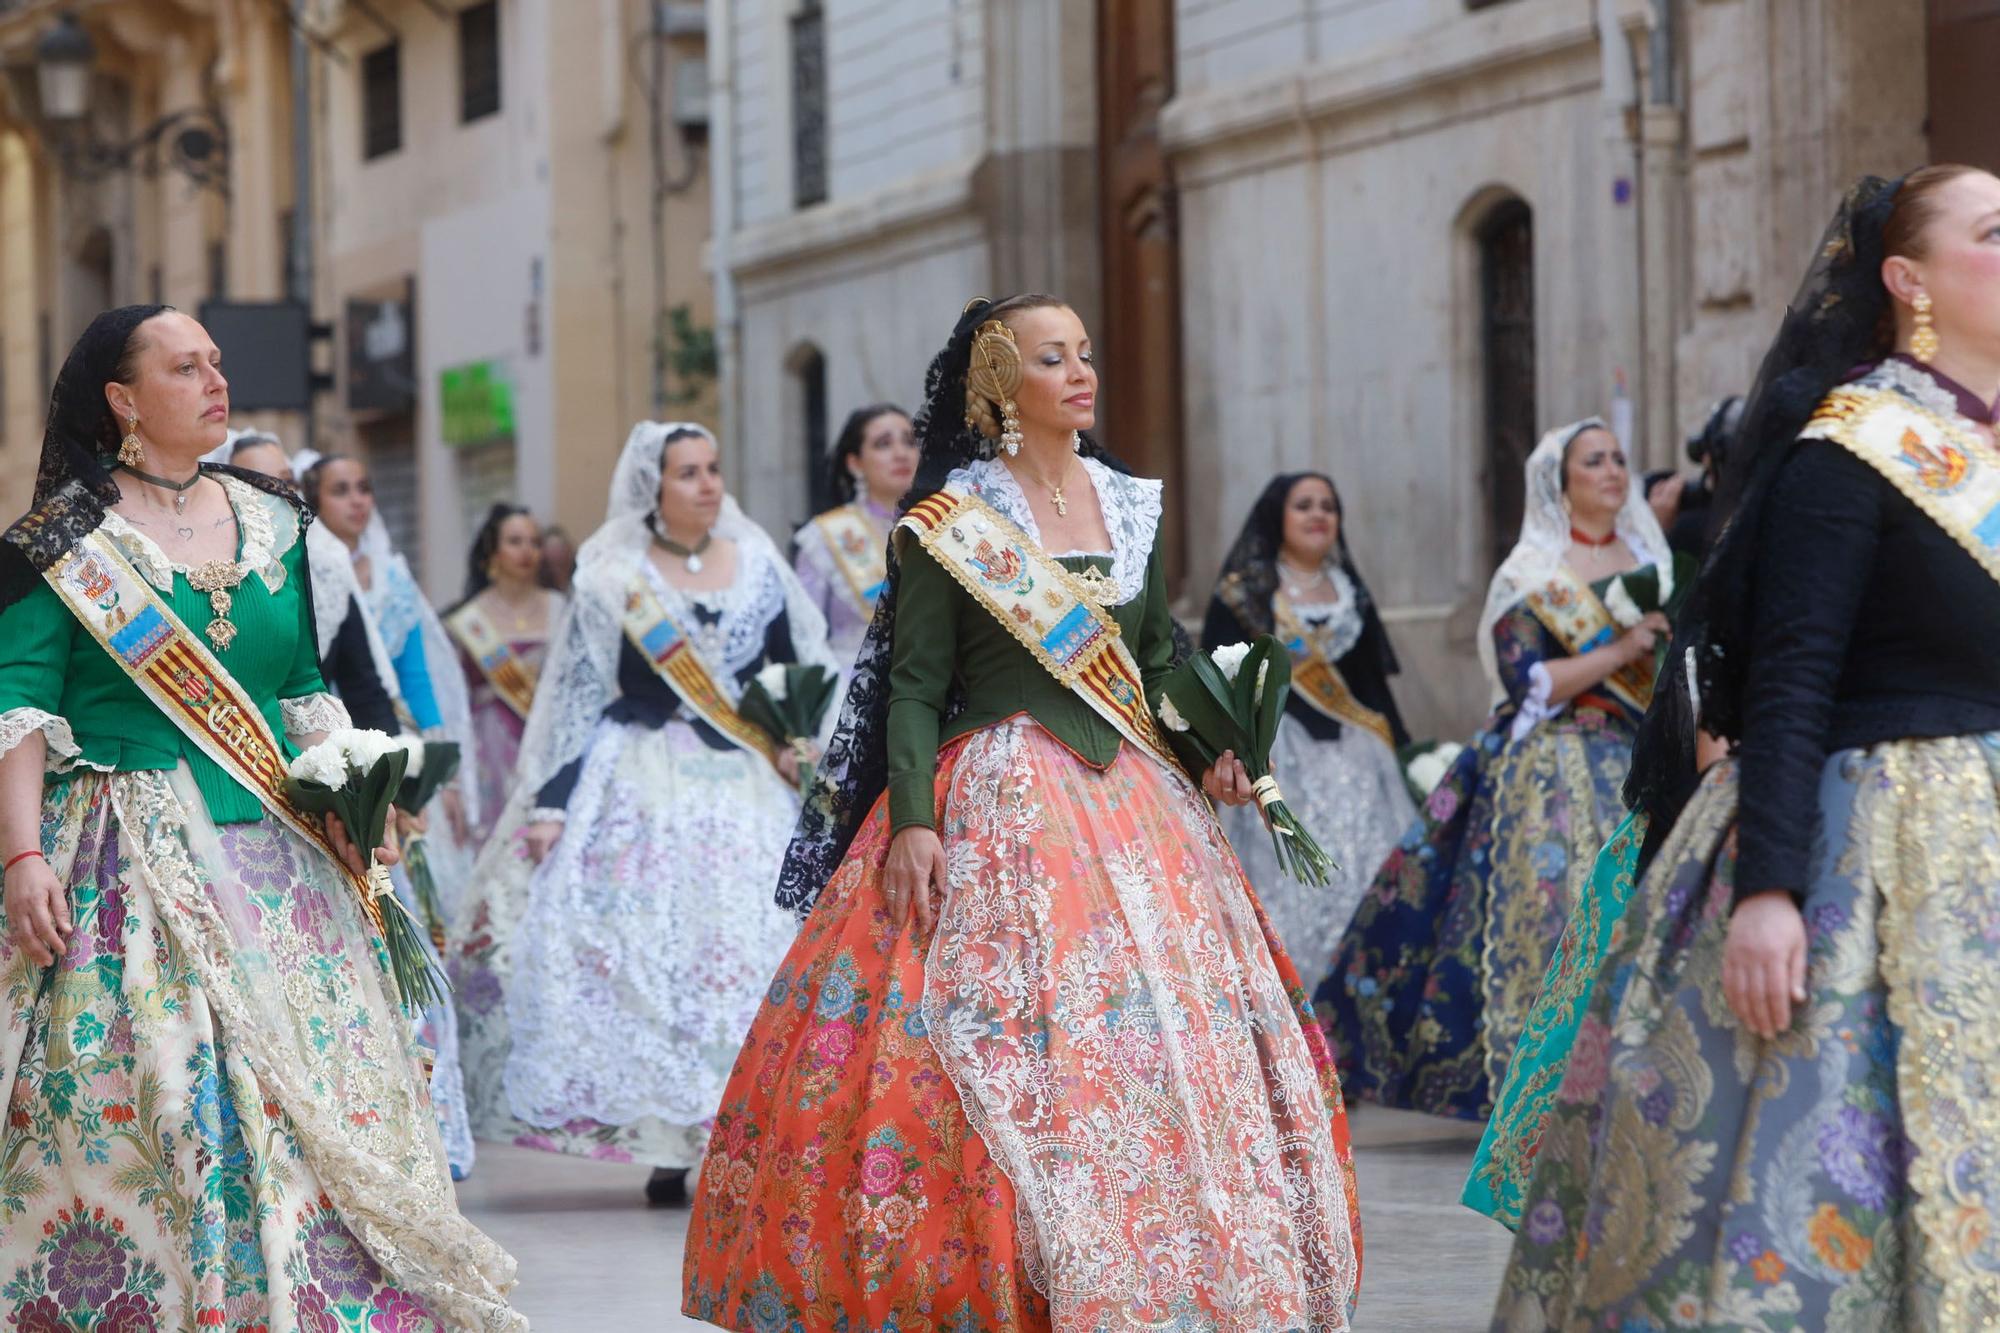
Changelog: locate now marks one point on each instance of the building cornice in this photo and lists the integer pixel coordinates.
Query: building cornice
(1471, 47)
(910, 204)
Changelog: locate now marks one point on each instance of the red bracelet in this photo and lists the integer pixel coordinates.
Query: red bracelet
(22, 857)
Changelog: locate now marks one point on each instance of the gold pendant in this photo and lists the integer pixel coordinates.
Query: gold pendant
(1056, 498)
(216, 578)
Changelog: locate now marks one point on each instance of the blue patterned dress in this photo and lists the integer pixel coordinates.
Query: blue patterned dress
(1431, 986)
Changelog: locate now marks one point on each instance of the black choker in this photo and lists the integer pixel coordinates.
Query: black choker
(179, 488)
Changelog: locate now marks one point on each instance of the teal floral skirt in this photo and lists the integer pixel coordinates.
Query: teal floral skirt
(1507, 1149)
(1843, 1176)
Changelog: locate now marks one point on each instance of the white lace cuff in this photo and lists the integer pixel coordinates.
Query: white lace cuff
(17, 724)
(1536, 708)
(548, 814)
(313, 713)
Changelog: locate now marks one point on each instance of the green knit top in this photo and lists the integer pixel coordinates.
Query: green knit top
(56, 678)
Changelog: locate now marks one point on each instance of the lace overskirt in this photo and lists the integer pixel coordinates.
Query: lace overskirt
(1092, 1101)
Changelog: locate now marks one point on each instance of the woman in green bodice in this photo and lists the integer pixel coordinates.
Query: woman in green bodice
(205, 1059)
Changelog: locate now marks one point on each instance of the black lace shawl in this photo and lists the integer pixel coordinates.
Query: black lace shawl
(1837, 321)
(855, 770)
(73, 483)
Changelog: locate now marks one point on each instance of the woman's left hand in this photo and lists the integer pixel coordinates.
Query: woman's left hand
(350, 855)
(1228, 781)
(788, 761)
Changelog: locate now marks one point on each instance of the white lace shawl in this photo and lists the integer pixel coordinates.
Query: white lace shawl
(579, 677)
(336, 591)
(1538, 555)
(398, 608)
(1131, 508)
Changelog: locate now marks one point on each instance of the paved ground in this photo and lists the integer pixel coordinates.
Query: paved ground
(594, 1259)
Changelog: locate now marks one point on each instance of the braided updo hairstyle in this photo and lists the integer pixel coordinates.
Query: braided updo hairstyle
(957, 423)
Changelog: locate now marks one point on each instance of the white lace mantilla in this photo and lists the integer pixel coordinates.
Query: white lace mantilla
(313, 713)
(1131, 508)
(267, 529)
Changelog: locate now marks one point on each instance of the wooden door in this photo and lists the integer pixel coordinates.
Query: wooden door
(1963, 51)
(1139, 345)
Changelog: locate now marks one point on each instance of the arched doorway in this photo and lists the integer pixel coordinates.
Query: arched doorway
(1506, 240)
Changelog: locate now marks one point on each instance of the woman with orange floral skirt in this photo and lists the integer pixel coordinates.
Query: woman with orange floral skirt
(1036, 1058)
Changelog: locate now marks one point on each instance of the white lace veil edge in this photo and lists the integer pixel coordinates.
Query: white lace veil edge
(579, 677)
(1538, 555)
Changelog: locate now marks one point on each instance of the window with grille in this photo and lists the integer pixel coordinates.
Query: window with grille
(479, 61)
(808, 105)
(382, 101)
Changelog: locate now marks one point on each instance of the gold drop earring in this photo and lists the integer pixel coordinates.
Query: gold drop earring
(1924, 343)
(1010, 429)
(130, 452)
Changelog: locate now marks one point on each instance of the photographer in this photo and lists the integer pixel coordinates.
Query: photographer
(1682, 503)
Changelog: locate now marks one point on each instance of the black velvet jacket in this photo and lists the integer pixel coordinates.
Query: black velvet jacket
(1872, 625)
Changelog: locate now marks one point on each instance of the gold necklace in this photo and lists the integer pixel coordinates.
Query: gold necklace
(1055, 491)
(523, 620)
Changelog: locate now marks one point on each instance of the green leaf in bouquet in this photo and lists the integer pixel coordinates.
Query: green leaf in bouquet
(1224, 730)
(1276, 663)
(815, 686)
(1193, 690)
(441, 761)
(761, 711)
(1686, 570)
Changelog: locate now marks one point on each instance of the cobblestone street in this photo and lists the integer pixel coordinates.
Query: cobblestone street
(594, 1259)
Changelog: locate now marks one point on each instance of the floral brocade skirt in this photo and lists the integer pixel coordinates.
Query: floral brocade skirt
(1432, 984)
(603, 995)
(215, 1113)
(1094, 1101)
(1841, 1178)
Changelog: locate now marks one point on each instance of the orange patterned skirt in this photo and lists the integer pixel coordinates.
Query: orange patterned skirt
(1095, 1099)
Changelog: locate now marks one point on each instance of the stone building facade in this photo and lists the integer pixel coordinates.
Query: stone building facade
(1394, 239)
(507, 203)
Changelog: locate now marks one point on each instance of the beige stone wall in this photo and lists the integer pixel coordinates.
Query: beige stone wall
(1331, 299)
(69, 248)
(1332, 157)
(532, 238)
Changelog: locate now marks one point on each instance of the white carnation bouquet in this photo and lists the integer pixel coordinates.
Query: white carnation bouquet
(355, 775)
(1231, 699)
(789, 701)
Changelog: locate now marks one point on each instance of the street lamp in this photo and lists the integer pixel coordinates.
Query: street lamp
(63, 60)
(194, 141)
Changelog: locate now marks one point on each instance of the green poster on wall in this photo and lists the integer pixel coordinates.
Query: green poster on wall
(478, 403)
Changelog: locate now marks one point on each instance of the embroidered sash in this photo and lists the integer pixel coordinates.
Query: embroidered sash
(1042, 604)
(183, 679)
(1318, 681)
(669, 652)
(1573, 613)
(511, 676)
(858, 553)
(1952, 474)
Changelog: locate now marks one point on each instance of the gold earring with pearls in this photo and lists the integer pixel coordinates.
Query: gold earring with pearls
(1924, 342)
